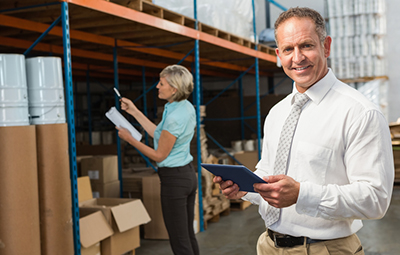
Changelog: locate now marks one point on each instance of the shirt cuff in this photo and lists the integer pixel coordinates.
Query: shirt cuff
(310, 195)
(252, 197)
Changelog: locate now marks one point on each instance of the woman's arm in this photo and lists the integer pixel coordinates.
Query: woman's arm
(128, 106)
(165, 144)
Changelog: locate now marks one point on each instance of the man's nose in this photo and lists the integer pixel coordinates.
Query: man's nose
(298, 56)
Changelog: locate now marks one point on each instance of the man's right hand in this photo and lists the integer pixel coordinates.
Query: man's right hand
(229, 189)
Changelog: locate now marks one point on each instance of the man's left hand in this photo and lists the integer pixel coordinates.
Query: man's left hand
(280, 191)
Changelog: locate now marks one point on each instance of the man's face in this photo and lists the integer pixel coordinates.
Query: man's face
(303, 57)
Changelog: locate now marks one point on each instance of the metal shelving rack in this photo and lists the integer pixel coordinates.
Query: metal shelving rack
(103, 37)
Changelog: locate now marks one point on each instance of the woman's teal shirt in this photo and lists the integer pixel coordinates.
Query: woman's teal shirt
(179, 119)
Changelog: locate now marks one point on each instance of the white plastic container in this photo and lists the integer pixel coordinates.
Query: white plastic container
(237, 145)
(13, 91)
(45, 90)
(248, 145)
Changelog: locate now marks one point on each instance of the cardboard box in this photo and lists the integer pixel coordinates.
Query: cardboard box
(396, 155)
(109, 189)
(84, 189)
(93, 229)
(151, 190)
(92, 250)
(248, 158)
(78, 163)
(123, 215)
(100, 169)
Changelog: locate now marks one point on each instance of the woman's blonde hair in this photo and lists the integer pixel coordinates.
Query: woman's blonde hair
(180, 78)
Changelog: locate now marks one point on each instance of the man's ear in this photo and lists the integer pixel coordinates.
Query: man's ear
(277, 51)
(327, 46)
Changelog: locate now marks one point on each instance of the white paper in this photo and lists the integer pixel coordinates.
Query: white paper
(116, 117)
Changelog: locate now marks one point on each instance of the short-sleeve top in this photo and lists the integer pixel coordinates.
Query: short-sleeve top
(179, 119)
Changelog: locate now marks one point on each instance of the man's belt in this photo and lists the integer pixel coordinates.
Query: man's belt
(282, 240)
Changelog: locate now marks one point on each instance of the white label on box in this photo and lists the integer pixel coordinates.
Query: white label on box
(96, 194)
(94, 174)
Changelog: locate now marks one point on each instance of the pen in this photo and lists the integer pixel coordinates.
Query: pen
(117, 92)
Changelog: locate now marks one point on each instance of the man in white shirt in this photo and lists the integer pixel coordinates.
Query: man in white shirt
(339, 169)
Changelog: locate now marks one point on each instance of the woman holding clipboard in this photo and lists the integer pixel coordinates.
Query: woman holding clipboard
(171, 151)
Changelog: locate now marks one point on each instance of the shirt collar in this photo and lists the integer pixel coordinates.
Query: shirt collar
(173, 105)
(318, 91)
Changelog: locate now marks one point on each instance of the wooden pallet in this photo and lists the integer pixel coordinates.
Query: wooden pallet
(215, 217)
(148, 7)
(239, 205)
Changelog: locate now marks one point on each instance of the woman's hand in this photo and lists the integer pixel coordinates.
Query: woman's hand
(128, 106)
(124, 134)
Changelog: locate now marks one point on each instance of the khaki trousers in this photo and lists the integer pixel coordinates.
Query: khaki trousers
(340, 246)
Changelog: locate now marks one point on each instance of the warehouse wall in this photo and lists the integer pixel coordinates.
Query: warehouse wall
(393, 63)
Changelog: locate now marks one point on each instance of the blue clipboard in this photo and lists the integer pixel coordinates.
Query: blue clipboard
(239, 174)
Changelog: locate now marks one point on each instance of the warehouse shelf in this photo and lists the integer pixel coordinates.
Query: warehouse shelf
(364, 79)
(119, 39)
(97, 26)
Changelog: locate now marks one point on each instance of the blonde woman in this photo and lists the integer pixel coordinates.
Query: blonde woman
(171, 151)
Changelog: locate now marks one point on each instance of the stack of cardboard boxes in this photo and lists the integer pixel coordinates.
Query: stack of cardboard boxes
(395, 134)
(103, 174)
(396, 156)
(148, 182)
(109, 226)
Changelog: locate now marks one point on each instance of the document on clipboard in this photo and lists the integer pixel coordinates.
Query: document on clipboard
(119, 120)
(239, 174)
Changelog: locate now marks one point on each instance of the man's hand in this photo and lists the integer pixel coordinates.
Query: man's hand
(229, 189)
(280, 191)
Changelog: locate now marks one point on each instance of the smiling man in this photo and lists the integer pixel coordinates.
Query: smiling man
(302, 50)
(327, 154)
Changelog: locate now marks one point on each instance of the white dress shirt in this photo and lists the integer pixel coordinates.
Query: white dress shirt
(342, 156)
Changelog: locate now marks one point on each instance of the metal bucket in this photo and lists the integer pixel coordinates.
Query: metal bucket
(47, 114)
(13, 91)
(45, 90)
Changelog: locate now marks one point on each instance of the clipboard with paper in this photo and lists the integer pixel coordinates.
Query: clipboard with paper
(119, 120)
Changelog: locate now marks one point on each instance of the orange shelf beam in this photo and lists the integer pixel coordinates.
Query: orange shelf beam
(110, 70)
(109, 41)
(23, 44)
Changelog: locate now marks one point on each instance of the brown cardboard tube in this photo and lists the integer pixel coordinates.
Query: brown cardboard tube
(55, 201)
(19, 206)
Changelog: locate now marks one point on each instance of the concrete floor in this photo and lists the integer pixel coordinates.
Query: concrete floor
(237, 234)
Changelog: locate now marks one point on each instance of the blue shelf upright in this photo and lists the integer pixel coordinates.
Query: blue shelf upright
(69, 104)
(198, 121)
(257, 86)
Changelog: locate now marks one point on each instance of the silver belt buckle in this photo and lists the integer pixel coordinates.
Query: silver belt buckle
(279, 236)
